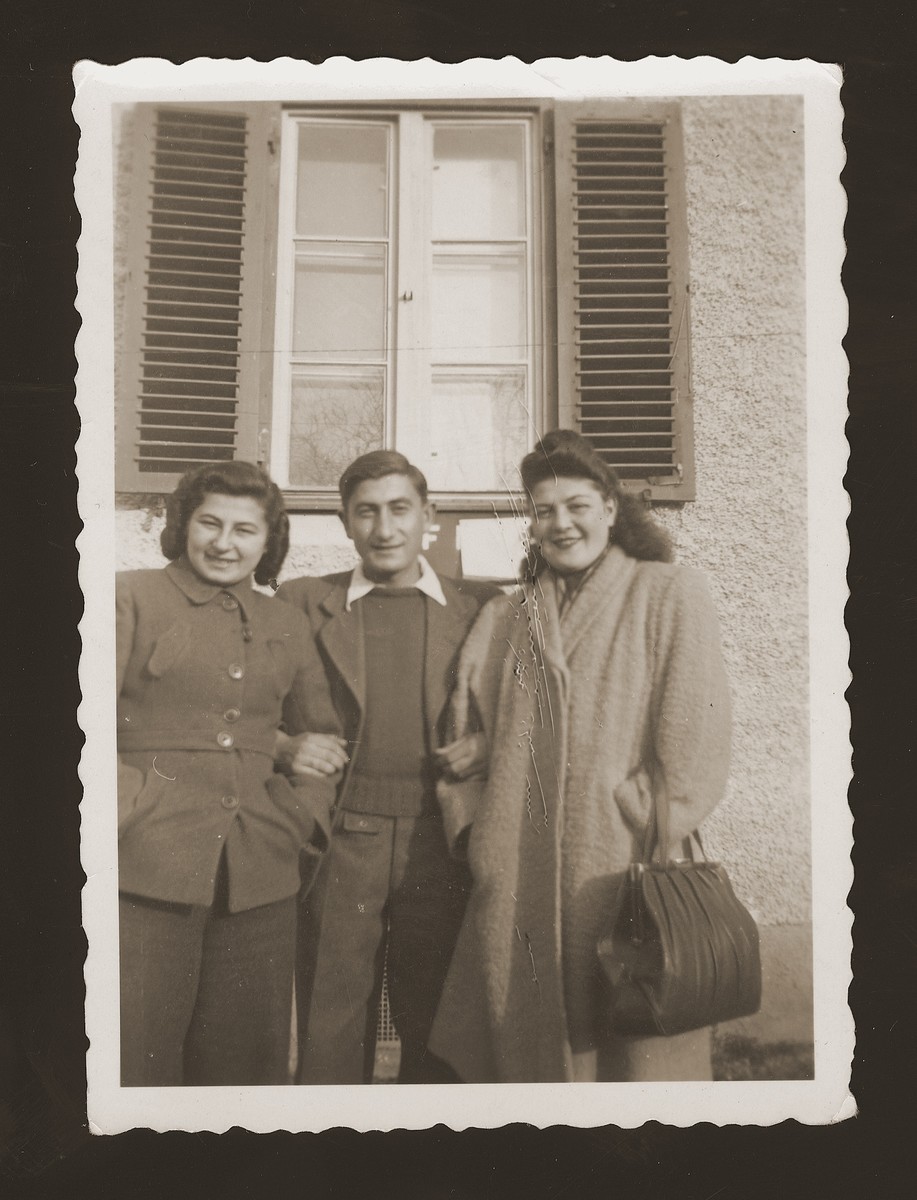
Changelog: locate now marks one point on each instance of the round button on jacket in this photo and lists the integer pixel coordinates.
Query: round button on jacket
(236, 671)
(231, 714)
(225, 739)
(230, 802)
(230, 604)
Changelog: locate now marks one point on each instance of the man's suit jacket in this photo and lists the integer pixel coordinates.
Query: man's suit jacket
(339, 637)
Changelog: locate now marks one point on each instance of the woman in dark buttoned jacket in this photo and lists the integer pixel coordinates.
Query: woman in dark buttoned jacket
(210, 838)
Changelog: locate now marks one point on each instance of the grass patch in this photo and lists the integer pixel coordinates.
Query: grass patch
(736, 1057)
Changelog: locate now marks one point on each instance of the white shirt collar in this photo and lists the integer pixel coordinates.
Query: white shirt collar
(428, 583)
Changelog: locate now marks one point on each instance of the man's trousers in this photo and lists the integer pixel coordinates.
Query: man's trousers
(388, 897)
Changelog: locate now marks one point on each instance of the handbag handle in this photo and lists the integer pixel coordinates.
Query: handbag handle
(656, 837)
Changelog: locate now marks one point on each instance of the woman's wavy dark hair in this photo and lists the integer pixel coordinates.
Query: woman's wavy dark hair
(563, 453)
(229, 479)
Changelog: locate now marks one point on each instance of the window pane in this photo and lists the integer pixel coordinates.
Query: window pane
(478, 190)
(336, 416)
(479, 430)
(339, 300)
(341, 180)
(479, 307)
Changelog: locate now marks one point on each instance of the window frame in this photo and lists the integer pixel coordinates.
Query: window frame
(539, 272)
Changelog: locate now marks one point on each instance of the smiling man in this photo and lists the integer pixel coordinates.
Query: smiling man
(389, 634)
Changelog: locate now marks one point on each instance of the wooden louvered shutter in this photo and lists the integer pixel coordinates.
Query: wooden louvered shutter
(190, 379)
(623, 366)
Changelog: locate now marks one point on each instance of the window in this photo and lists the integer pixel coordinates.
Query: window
(307, 284)
(405, 300)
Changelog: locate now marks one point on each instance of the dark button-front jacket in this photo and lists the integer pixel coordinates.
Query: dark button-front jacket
(205, 676)
(339, 636)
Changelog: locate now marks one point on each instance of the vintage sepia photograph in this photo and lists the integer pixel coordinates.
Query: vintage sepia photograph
(464, 556)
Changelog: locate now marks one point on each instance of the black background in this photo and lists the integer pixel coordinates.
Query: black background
(46, 1150)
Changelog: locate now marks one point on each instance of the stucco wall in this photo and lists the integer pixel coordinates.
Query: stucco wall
(747, 529)
(745, 190)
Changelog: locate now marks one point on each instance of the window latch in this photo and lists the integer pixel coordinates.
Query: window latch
(407, 296)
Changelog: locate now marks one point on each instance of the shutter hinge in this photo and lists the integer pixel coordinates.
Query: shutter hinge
(263, 443)
(664, 481)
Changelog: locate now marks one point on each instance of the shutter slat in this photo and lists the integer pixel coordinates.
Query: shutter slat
(630, 410)
(188, 374)
(622, 169)
(622, 197)
(620, 391)
(647, 290)
(166, 437)
(185, 390)
(615, 185)
(644, 440)
(648, 362)
(640, 341)
(197, 233)
(206, 342)
(649, 138)
(174, 154)
(619, 274)
(609, 379)
(213, 312)
(609, 223)
(195, 131)
(189, 420)
(210, 192)
(180, 458)
(611, 255)
(214, 295)
(632, 241)
(171, 218)
(156, 325)
(223, 182)
(213, 266)
(201, 405)
(199, 244)
(189, 205)
(191, 279)
(193, 357)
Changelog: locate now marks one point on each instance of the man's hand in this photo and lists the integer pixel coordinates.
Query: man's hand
(315, 754)
(465, 757)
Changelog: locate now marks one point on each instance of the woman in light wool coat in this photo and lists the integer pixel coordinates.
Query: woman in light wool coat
(601, 676)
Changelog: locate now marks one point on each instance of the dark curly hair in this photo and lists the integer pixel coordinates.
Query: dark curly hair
(229, 479)
(566, 454)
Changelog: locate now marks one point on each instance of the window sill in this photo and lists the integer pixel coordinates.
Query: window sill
(492, 503)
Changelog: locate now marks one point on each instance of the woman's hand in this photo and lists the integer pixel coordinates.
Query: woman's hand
(315, 754)
(465, 757)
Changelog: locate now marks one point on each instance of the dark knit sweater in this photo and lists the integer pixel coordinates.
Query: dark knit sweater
(391, 769)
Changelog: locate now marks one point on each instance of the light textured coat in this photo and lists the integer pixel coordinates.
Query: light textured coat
(582, 712)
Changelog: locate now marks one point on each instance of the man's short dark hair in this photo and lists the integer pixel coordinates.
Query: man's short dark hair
(376, 465)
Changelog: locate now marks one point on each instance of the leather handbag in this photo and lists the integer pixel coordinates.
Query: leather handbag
(683, 951)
